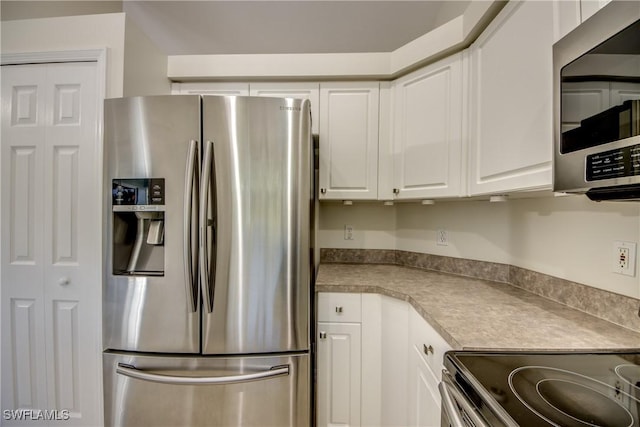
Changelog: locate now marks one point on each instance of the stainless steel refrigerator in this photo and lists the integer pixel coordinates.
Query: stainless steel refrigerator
(207, 270)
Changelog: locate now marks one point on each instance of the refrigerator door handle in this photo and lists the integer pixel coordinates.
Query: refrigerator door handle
(204, 226)
(133, 372)
(190, 178)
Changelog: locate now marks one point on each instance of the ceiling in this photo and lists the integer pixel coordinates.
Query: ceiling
(296, 26)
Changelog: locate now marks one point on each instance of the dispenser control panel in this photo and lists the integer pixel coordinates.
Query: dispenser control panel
(138, 194)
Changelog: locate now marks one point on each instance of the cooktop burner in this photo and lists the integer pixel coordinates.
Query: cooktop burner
(569, 399)
(557, 389)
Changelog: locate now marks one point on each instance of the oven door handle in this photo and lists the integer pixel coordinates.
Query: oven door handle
(450, 396)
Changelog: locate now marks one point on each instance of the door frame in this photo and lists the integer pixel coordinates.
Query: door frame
(99, 56)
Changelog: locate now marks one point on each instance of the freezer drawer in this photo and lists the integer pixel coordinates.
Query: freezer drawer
(182, 391)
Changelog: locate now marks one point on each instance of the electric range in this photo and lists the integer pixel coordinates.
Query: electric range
(544, 388)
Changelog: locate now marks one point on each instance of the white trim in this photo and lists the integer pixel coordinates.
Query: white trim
(451, 37)
(90, 55)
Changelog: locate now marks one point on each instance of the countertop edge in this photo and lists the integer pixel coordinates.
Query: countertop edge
(330, 284)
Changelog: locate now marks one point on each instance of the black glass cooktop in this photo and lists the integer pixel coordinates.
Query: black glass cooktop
(550, 389)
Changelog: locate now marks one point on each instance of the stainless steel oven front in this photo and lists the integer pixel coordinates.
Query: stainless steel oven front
(457, 409)
(568, 389)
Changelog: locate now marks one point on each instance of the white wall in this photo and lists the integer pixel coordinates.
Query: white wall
(374, 226)
(572, 238)
(135, 66)
(145, 65)
(72, 33)
(32, 9)
(566, 237)
(476, 229)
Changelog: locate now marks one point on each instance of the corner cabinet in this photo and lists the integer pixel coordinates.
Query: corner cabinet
(378, 362)
(510, 126)
(349, 140)
(427, 139)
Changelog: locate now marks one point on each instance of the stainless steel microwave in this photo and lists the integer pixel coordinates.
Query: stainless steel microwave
(597, 105)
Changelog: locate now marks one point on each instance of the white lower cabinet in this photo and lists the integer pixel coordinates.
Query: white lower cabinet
(426, 357)
(378, 363)
(423, 396)
(339, 361)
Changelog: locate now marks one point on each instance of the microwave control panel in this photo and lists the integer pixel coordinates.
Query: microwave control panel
(617, 163)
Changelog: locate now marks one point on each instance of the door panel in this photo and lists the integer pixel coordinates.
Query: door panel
(22, 164)
(50, 263)
(23, 303)
(257, 253)
(66, 352)
(281, 400)
(151, 138)
(26, 377)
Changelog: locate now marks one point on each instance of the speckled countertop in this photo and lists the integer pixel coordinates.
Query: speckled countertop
(474, 314)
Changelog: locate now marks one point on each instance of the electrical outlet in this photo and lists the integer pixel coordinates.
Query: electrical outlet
(442, 238)
(624, 258)
(348, 232)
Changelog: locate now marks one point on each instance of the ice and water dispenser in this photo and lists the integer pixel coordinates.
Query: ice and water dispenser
(138, 226)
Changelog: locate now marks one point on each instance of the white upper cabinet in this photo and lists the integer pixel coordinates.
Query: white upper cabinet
(510, 128)
(211, 88)
(589, 7)
(427, 136)
(300, 90)
(349, 140)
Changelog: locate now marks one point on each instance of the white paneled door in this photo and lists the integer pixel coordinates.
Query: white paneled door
(50, 250)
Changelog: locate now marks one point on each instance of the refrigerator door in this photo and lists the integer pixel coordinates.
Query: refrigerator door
(150, 291)
(206, 391)
(255, 221)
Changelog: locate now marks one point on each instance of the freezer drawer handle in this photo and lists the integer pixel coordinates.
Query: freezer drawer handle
(133, 372)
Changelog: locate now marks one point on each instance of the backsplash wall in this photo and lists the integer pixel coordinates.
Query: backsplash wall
(566, 237)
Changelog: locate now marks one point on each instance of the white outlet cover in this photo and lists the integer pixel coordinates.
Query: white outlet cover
(348, 232)
(442, 237)
(630, 270)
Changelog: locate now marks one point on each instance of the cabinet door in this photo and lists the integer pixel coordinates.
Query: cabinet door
(424, 398)
(300, 90)
(589, 7)
(51, 285)
(349, 140)
(428, 131)
(338, 374)
(511, 100)
(582, 100)
(395, 353)
(623, 91)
